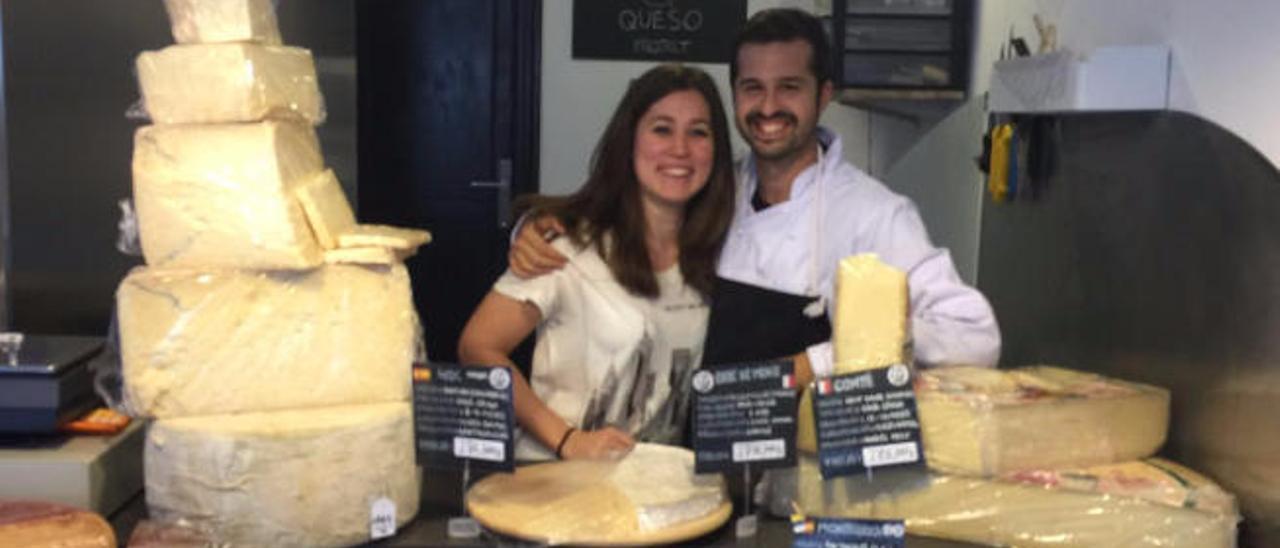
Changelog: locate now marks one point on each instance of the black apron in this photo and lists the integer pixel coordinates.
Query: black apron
(750, 323)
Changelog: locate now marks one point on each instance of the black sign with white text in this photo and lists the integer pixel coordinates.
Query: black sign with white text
(463, 413)
(847, 533)
(657, 30)
(744, 414)
(866, 420)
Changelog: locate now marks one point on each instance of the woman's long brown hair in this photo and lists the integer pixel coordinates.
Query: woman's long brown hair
(609, 202)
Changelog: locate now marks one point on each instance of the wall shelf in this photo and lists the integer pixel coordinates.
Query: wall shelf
(1111, 78)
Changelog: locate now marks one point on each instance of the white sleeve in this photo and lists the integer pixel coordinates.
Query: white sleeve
(821, 359)
(951, 322)
(542, 291)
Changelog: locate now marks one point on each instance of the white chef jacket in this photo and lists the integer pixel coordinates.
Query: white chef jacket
(835, 210)
(606, 357)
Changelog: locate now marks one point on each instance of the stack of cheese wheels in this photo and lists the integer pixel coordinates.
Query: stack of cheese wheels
(1035, 456)
(270, 335)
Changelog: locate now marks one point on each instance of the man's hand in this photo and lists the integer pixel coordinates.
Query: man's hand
(531, 254)
(606, 443)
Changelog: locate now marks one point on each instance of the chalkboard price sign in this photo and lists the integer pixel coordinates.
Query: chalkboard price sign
(657, 30)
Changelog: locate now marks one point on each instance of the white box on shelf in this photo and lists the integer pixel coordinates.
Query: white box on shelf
(1109, 78)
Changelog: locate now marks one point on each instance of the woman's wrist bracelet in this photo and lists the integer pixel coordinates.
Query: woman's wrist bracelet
(564, 439)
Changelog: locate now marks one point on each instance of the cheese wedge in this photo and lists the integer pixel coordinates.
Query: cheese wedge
(870, 325)
(203, 342)
(986, 422)
(384, 236)
(210, 21)
(327, 208)
(1139, 504)
(222, 83)
(287, 478)
(365, 256)
(223, 195)
(33, 524)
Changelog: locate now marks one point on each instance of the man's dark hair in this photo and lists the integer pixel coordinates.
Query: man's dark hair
(608, 204)
(785, 25)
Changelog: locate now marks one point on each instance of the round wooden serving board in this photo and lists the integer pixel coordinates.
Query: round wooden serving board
(571, 502)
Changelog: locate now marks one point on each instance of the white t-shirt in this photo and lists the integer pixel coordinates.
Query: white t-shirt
(605, 357)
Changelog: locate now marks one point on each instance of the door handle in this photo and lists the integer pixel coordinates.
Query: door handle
(503, 185)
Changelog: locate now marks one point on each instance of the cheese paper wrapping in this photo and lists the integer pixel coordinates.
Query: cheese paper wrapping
(224, 195)
(979, 421)
(870, 326)
(651, 496)
(202, 342)
(288, 478)
(221, 83)
(1151, 503)
(210, 21)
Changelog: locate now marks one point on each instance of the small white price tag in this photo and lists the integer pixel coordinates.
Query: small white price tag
(751, 451)
(893, 453)
(473, 448)
(746, 526)
(382, 519)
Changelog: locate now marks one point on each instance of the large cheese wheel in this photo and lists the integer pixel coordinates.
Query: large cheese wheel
(223, 195)
(30, 524)
(230, 341)
(288, 478)
(219, 83)
(1138, 504)
(651, 496)
(210, 21)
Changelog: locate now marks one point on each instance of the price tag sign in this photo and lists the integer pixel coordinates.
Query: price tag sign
(744, 414)
(463, 413)
(867, 420)
(382, 518)
(847, 533)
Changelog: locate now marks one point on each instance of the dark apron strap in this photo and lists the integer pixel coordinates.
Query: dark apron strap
(750, 323)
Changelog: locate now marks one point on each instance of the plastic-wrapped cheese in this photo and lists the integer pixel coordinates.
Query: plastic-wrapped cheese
(223, 195)
(222, 83)
(870, 327)
(32, 524)
(651, 496)
(986, 422)
(201, 342)
(287, 478)
(210, 21)
(1138, 504)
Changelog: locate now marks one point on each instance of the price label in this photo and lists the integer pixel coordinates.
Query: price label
(866, 420)
(382, 519)
(862, 533)
(463, 413)
(744, 414)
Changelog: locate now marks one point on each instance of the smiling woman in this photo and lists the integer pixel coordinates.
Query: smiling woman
(620, 329)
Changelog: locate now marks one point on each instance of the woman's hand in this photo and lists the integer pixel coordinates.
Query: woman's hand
(605, 443)
(531, 254)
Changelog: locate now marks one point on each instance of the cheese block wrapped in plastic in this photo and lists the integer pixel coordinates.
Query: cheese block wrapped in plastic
(229, 341)
(1151, 503)
(223, 195)
(33, 524)
(870, 326)
(285, 478)
(220, 83)
(986, 422)
(211, 21)
(651, 496)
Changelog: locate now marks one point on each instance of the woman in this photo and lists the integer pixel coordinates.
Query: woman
(620, 329)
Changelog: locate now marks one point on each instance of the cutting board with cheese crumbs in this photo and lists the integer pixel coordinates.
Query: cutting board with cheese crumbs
(649, 497)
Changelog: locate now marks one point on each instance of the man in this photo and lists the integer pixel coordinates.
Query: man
(800, 209)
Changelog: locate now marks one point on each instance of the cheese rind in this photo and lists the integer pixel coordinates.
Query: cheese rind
(328, 211)
(288, 478)
(1139, 504)
(404, 239)
(202, 342)
(223, 195)
(364, 255)
(984, 422)
(211, 21)
(870, 325)
(223, 83)
(38, 524)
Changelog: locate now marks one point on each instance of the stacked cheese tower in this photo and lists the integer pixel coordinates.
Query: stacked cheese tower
(1034, 456)
(270, 335)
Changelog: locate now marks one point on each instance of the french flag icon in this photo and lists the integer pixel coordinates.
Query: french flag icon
(789, 381)
(824, 387)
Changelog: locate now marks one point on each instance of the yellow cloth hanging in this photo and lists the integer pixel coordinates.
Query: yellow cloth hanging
(998, 179)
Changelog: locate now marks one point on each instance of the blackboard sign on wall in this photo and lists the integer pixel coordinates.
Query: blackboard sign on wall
(657, 30)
